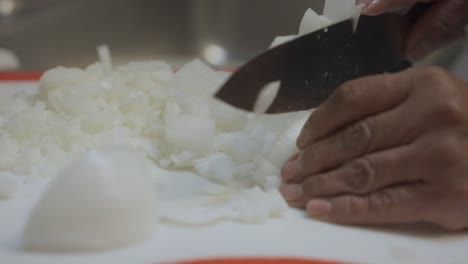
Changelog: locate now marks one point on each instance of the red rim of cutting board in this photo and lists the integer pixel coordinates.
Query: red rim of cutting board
(20, 76)
(259, 261)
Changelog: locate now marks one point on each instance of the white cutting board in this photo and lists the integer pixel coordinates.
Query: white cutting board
(292, 236)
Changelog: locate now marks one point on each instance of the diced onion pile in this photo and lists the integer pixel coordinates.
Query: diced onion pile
(172, 118)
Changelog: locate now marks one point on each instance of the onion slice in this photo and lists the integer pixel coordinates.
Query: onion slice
(266, 97)
(339, 10)
(9, 186)
(104, 200)
(105, 56)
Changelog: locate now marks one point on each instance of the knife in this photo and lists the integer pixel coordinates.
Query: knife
(311, 67)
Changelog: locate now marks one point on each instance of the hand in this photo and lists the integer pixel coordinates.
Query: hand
(386, 149)
(441, 24)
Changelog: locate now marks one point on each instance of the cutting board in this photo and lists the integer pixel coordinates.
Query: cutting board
(294, 236)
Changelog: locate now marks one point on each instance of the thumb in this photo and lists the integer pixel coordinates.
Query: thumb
(443, 23)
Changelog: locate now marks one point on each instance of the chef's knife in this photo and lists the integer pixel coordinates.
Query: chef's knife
(311, 67)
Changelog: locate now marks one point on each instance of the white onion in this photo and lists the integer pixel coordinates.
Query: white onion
(187, 132)
(239, 145)
(105, 57)
(268, 204)
(267, 175)
(251, 205)
(357, 15)
(282, 40)
(285, 145)
(324, 22)
(9, 185)
(102, 201)
(310, 22)
(339, 10)
(8, 60)
(218, 167)
(227, 118)
(334, 11)
(183, 160)
(266, 97)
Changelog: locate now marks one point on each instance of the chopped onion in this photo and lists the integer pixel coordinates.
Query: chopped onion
(282, 40)
(218, 167)
(183, 160)
(339, 10)
(227, 118)
(324, 22)
(267, 175)
(335, 11)
(251, 205)
(285, 145)
(266, 97)
(8, 60)
(357, 15)
(192, 133)
(268, 204)
(310, 22)
(105, 56)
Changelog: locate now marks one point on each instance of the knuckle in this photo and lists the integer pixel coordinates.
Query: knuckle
(451, 111)
(357, 137)
(439, 80)
(428, 75)
(354, 206)
(362, 176)
(445, 95)
(381, 203)
(455, 225)
(310, 160)
(314, 185)
(348, 94)
(449, 153)
(444, 23)
(435, 73)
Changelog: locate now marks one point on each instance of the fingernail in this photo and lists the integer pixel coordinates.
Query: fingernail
(292, 192)
(303, 139)
(365, 2)
(366, 5)
(318, 208)
(291, 170)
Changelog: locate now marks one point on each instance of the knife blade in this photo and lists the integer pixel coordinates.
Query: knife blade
(311, 67)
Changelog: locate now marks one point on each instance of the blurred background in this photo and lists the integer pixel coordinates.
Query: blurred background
(225, 33)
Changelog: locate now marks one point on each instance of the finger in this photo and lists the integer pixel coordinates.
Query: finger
(354, 101)
(360, 176)
(365, 175)
(288, 167)
(397, 205)
(393, 128)
(378, 7)
(294, 157)
(441, 24)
